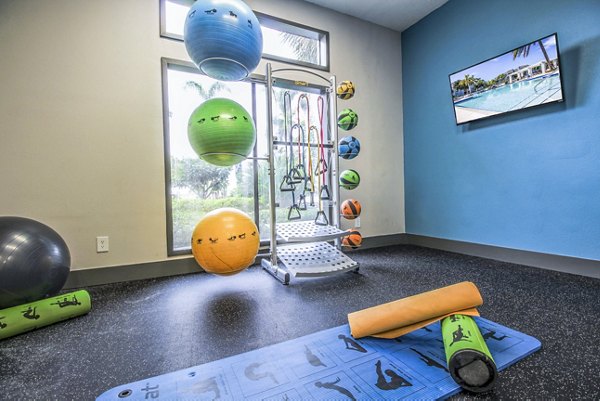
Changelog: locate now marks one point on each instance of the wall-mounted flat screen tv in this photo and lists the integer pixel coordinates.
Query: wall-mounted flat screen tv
(524, 77)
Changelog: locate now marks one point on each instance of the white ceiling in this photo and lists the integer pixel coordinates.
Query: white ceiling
(394, 14)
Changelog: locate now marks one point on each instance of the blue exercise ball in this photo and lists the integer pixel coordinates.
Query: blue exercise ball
(223, 38)
(34, 261)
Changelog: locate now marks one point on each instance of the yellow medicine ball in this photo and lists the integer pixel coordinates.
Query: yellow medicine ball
(345, 90)
(225, 241)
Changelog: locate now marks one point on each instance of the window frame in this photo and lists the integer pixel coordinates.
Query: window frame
(295, 28)
(164, 68)
(272, 22)
(187, 66)
(163, 18)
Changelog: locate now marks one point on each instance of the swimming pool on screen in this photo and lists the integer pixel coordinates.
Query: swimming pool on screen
(517, 95)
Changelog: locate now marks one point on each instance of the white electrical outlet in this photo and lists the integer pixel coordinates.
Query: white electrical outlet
(101, 244)
(357, 222)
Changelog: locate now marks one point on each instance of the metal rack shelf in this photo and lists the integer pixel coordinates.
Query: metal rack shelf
(305, 251)
(303, 231)
(315, 259)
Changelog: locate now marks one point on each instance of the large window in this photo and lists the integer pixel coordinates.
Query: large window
(283, 40)
(195, 187)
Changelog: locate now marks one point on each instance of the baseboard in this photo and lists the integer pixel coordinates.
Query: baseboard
(174, 267)
(565, 264)
(116, 274)
(187, 265)
(383, 240)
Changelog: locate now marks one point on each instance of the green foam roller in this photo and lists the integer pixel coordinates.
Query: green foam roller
(23, 318)
(469, 360)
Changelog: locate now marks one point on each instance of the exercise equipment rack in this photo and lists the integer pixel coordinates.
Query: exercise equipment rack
(304, 248)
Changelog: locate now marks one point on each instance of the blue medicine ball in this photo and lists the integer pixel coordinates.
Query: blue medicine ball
(223, 38)
(348, 147)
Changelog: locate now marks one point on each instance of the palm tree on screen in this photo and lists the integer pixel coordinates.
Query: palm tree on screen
(468, 81)
(523, 51)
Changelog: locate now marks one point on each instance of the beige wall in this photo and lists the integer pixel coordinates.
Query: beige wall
(81, 119)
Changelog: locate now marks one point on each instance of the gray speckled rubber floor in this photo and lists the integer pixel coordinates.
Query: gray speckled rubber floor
(147, 328)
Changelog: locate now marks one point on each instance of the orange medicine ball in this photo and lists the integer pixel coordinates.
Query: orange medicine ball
(225, 241)
(350, 209)
(353, 239)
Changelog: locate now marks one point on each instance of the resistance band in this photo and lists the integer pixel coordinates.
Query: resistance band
(307, 175)
(294, 210)
(322, 164)
(321, 217)
(309, 185)
(300, 167)
(287, 182)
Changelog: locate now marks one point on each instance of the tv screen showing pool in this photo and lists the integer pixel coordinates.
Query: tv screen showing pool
(524, 77)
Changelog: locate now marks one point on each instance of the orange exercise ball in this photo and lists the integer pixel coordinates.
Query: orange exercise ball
(225, 241)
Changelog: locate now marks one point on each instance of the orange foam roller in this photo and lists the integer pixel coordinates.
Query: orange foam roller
(400, 317)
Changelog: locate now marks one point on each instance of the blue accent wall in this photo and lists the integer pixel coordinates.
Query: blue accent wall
(528, 180)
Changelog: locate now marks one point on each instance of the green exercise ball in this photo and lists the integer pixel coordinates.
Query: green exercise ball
(221, 132)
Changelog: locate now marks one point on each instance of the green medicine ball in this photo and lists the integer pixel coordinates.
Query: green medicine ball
(221, 132)
(347, 119)
(349, 179)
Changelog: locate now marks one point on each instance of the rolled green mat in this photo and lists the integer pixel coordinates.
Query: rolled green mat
(469, 360)
(27, 317)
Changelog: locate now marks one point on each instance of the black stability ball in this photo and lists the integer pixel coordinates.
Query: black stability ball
(34, 261)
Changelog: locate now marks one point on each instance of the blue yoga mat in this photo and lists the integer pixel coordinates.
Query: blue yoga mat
(330, 365)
